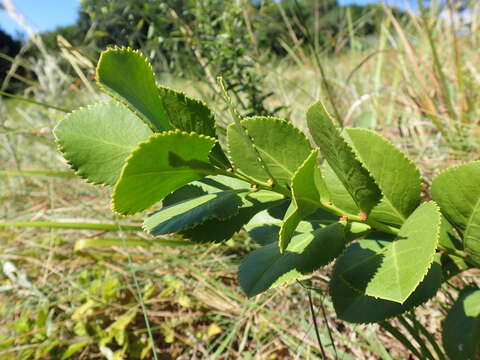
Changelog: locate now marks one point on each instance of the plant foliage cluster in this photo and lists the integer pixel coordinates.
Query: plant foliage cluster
(354, 198)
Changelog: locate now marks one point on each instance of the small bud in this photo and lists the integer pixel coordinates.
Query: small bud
(230, 170)
(270, 183)
(254, 186)
(362, 216)
(343, 218)
(328, 203)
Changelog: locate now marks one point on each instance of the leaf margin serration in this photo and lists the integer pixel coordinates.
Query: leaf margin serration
(437, 237)
(353, 153)
(62, 150)
(139, 147)
(404, 156)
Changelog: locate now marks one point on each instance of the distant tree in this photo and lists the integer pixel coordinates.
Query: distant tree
(9, 48)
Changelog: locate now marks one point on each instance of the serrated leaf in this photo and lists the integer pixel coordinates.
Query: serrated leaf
(216, 230)
(128, 77)
(212, 184)
(448, 239)
(391, 274)
(354, 306)
(265, 225)
(397, 177)
(339, 196)
(207, 185)
(385, 213)
(282, 147)
(184, 193)
(342, 159)
(265, 233)
(97, 139)
(307, 188)
(188, 213)
(158, 166)
(187, 114)
(266, 267)
(192, 115)
(461, 329)
(457, 191)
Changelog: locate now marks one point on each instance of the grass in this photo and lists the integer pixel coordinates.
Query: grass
(63, 289)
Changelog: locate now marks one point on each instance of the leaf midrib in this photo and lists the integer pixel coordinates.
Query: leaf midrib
(106, 142)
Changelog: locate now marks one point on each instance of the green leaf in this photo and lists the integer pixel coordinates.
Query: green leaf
(390, 273)
(306, 197)
(342, 159)
(192, 115)
(354, 306)
(385, 213)
(448, 238)
(207, 185)
(461, 329)
(187, 114)
(339, 196)
(216, 230)
(282, 147)
(292, 218)
(397, 177)
(265, 233)
(117, 329)
(265, 225)
(128, 77)
(457, 191)
(97, 139)
(158, 166)
(212, 184)
(266, 267)
(184, 193)
(73, 348)
(188, 213)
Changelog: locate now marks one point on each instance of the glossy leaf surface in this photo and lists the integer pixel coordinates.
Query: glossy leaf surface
(282, 147)
(353, 305)
(397, 177)
(342, 159)
(457, 191)
(216, 230)
(339, 195)
(390, 273)
(187, 114)
(307, 186)
(128, 77)
(160, 165)
(188, 213)
(267, 267)
(97, 139)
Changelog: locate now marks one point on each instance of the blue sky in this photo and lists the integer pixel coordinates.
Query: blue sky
(44, 15)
